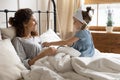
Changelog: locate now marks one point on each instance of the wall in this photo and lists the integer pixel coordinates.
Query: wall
(17, 4)
(7, 4)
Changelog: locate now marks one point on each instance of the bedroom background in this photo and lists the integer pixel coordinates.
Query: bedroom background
(64, 12)
(102, 66)
(64, 19)
(35, 5)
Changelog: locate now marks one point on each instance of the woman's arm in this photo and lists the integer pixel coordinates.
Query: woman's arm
(61, 43)
(47, 52)
(27, 61)
(20, 51)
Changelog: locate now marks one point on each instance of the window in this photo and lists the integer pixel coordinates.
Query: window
(100, 16)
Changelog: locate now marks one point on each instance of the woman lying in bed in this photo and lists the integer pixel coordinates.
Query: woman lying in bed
(27, 41)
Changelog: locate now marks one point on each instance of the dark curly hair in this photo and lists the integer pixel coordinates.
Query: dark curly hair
(86, 15)
(21, 16)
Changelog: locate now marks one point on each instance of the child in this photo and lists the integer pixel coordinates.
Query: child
(82, 40)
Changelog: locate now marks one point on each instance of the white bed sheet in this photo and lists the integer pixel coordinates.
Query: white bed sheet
(65, 67)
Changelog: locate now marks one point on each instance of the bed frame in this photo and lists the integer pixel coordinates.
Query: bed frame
(6, 11)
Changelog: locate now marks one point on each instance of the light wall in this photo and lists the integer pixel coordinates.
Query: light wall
(35, 5)
(14, 5)
(9, 4)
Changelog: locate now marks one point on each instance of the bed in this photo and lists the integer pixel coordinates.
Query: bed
(65, 65)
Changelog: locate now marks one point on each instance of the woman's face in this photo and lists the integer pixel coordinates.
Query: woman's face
(31, 25)
(77, 24)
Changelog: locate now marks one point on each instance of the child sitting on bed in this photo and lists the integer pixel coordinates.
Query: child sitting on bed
(27, 40)
(82, 40)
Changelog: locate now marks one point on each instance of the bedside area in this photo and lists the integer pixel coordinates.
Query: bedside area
(106, 42)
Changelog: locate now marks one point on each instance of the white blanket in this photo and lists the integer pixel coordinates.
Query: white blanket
(65, 67)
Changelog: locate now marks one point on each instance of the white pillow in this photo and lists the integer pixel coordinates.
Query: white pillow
(0, 35)
(10, 64)
(69, 50)
(9, 32)
(49, 36)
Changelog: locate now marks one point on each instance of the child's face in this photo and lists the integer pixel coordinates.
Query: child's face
(77, 24)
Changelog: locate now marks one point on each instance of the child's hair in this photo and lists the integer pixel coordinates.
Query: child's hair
(86, 14)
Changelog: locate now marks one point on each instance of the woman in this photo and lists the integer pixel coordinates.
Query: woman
(27, 41)
(82, 40)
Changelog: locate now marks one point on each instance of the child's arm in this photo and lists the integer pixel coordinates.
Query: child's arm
(61, 43)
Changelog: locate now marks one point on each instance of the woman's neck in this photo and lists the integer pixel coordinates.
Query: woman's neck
(28, 36)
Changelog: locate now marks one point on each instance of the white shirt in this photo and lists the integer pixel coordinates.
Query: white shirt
(27, 48)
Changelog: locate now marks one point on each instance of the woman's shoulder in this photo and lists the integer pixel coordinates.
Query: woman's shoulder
(16, 38)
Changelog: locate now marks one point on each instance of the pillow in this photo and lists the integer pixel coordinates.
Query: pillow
(0, 35)
(8, 32)
(10, 64)
(69, 50)
(49, 36)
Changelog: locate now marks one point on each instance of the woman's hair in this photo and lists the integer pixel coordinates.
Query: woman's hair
(21, 16)
(86, 14)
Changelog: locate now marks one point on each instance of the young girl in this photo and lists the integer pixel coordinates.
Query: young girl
(82, 40)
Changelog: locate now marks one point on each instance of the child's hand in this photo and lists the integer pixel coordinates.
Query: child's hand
(46, 44)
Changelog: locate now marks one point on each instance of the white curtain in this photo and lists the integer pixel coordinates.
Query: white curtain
(65, 10)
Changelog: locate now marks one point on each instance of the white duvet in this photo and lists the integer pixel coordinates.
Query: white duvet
(63, 66)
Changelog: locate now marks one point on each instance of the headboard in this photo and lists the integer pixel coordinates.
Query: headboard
(39, 12)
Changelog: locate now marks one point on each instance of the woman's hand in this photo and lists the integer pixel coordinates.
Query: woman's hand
(46, 44)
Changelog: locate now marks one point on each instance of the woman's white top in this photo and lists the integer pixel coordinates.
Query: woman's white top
(27, 48)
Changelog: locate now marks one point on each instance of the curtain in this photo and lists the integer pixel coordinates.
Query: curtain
(65, 10)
